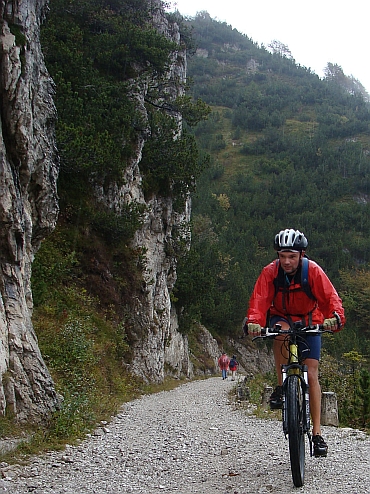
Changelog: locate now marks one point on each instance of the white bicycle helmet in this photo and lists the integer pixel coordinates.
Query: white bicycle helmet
(290, 240)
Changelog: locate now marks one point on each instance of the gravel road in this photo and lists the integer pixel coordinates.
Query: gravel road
(192, 440)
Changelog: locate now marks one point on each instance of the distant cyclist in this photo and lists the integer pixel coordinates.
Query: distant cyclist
(280, 294)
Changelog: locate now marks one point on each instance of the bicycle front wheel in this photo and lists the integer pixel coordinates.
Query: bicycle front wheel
(294, 401)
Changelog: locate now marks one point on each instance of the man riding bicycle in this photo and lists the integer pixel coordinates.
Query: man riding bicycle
(279, 292)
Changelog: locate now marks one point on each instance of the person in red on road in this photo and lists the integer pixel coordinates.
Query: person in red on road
(279, 292)
(223, 363)
(233, 367)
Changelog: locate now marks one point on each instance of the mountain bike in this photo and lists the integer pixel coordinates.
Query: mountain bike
(296, 402)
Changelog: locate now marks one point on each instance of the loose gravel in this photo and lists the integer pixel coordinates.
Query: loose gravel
(190, 440)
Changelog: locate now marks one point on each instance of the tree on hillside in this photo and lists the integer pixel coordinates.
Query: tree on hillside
(277, 47)
(334, 73)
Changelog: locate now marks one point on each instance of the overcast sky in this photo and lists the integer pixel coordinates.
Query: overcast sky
(316, 31)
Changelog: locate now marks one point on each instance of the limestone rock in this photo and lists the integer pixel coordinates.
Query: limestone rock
(158, 347)
(28, 205)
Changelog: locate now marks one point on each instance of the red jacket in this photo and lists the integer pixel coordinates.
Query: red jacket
(223, 362)
(296, 304)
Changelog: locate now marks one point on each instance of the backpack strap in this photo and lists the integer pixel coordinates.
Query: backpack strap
(304, 278)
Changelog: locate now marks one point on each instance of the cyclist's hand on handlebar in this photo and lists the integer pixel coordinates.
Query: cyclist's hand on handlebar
(333, 323)
(254, 329)
(330, 323)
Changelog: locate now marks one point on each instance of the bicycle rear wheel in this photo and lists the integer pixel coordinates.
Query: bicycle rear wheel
(294, 415)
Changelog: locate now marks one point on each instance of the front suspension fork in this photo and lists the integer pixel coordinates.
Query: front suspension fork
(302, 371)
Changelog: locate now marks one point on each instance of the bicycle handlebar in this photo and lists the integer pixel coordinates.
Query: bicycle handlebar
(277, 330)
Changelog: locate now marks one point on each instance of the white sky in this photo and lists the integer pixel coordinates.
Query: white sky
(315, 31)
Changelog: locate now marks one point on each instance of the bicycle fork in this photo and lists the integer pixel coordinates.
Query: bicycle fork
(302, 372)
(306, 406)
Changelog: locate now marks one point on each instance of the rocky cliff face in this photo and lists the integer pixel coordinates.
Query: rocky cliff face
(28, 204)
(158, 349)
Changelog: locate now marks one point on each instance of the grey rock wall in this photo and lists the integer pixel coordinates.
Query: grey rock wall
(158, 348)
(28, 205)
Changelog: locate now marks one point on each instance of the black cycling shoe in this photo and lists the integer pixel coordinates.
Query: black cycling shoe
(276, 398)
(320, 448)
